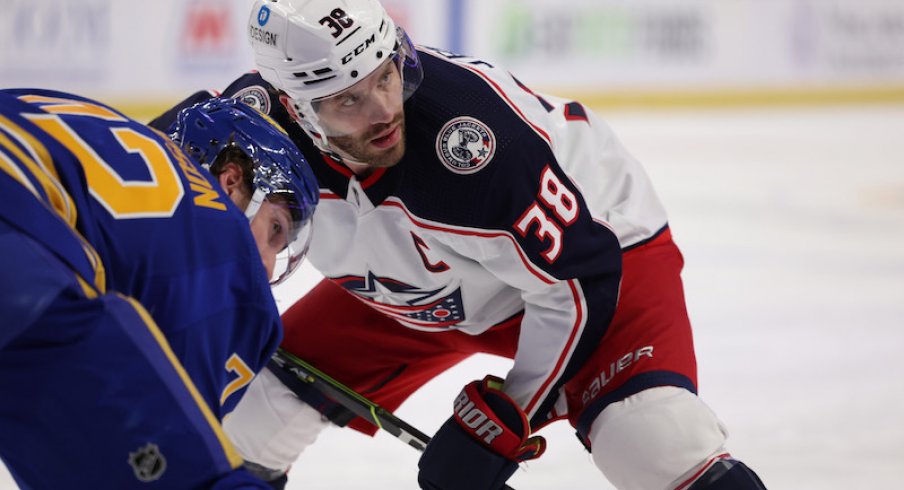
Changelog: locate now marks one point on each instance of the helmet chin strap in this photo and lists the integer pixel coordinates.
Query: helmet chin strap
(323, 144)
(257, 199)
(345, 159)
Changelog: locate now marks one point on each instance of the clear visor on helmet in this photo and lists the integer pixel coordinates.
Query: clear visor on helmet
(281, 229)
(385, 88)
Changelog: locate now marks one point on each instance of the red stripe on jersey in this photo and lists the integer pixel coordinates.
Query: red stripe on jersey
(342, 169)
(574, 111)
(406, 319)
(401, 309)
(566, 351)
(373, 178)
(483, 234)
(345, 171)
(499, 90)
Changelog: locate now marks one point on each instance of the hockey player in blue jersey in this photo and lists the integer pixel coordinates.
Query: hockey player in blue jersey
(135, 287)
(461, 213)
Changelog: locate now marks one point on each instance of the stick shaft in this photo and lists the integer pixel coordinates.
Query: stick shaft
(350, 399)
(307, 374)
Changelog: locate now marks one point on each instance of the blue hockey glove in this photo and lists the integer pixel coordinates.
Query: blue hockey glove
(480, 446)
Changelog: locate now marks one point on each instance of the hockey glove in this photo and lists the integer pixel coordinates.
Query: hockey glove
(480, 446)
(277, 479)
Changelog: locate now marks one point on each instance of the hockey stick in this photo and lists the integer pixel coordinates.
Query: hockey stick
(350, 399)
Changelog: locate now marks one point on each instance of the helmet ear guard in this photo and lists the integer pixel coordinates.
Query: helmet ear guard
(280, 173)
(314, 49)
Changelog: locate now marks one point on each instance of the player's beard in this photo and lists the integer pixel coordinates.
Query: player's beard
(360, 150)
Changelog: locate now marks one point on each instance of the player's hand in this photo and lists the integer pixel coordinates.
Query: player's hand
(480, 446)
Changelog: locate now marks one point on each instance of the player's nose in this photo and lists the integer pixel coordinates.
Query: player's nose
(269, 260)
(383, 107)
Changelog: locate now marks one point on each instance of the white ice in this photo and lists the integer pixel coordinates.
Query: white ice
(792, 226)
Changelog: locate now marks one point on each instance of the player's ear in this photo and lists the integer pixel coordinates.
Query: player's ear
(286, 102)
(231, 180)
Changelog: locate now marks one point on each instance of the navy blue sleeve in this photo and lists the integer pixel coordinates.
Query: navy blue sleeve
(163, 121)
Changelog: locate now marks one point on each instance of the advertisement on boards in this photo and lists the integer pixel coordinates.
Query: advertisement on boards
(679, 45)
(156, 53)
(48, 40)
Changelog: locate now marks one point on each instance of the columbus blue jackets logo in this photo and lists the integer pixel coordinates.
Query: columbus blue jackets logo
(255, 96)
(148, 463)
(465, 145)
(408, 304)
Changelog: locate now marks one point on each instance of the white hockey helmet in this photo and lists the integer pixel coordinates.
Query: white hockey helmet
(312, 49)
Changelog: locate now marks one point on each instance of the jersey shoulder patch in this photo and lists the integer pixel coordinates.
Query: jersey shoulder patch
(255, 96)
(465, 145)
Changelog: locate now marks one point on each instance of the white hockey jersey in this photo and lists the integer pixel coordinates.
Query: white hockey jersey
(506, 203)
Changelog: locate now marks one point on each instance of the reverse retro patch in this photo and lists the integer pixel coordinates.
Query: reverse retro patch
(465, 145)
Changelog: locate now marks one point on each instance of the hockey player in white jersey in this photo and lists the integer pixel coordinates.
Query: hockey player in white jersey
(461, 213)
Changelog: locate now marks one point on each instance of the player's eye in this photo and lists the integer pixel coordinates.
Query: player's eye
(387, 77)
(279, 230)
(349, 100)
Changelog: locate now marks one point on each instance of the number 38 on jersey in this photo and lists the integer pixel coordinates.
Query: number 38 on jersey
(556, 207)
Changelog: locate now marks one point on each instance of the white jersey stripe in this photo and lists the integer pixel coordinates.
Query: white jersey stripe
(475, 232)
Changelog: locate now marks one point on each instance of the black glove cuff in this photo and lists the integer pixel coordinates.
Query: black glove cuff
(455, 461)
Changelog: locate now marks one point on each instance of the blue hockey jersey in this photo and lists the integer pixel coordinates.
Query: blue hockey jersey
(153, 226)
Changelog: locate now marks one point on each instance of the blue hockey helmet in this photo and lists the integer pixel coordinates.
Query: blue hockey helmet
(281, 174)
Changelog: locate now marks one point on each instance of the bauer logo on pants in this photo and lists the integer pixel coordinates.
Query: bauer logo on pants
(465, 145)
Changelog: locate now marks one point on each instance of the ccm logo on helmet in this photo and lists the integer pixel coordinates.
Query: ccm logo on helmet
(359, 49)
(475, 419)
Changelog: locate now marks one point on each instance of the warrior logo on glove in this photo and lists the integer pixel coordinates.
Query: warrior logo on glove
(490, 416)
(473, 417)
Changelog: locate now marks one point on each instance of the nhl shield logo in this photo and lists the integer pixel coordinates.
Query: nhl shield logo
(256, 97)
(148, 463)
(465, 145)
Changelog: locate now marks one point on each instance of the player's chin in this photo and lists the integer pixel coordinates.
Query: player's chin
(389, 156)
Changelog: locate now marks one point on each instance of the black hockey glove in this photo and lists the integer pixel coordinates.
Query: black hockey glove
(275, 478)
(480, 446)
